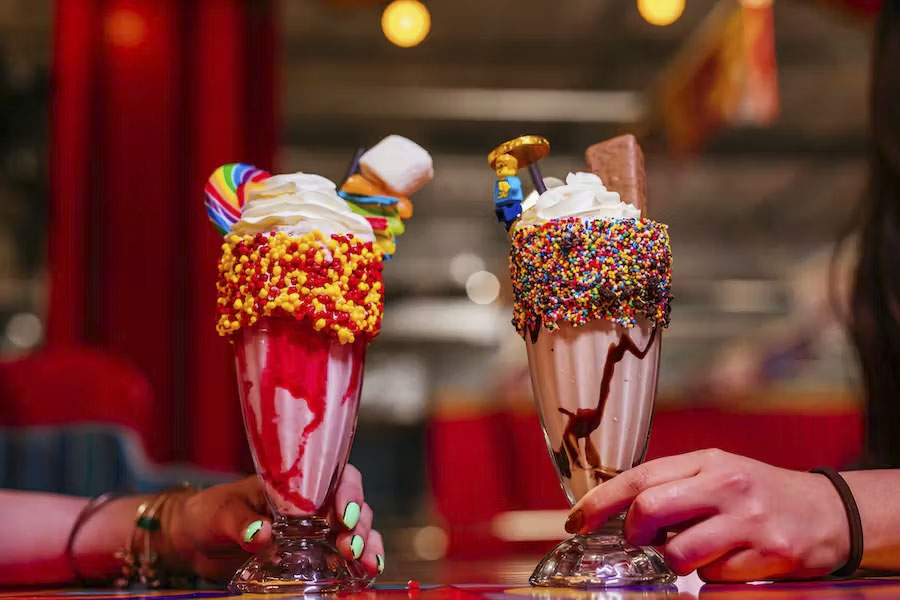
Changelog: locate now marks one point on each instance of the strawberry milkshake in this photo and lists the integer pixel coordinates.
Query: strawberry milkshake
(300, 297)
(300, 294)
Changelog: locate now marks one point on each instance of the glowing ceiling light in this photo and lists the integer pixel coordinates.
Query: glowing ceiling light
(660, 12)
(405, 22)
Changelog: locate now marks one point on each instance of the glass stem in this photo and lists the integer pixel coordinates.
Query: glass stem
(299, 530)
(614, 527)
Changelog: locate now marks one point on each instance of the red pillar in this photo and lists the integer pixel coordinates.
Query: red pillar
(151, 96)
(74, 72)
(231, 120)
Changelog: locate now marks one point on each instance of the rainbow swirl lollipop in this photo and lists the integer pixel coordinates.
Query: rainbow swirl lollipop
(225, 193)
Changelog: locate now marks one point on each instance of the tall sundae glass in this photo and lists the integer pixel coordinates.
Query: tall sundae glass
(591, 286)
(300, 296)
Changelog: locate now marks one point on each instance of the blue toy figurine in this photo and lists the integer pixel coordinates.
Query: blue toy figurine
(505, 160)
(507, 190)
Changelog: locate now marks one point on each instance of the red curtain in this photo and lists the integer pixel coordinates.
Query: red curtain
(149, 97)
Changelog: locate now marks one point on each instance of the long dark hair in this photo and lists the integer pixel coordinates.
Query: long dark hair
(875, 309)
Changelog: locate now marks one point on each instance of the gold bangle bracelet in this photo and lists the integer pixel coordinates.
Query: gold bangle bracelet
(144, 567)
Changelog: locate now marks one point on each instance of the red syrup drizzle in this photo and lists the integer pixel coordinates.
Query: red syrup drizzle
(296, 361)
(355, 376)
(585, 421)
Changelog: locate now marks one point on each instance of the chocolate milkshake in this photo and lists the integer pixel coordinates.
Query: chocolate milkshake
(591, 281)
(596, 423)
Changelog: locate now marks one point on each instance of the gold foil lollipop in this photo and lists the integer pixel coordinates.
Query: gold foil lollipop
(526, 149)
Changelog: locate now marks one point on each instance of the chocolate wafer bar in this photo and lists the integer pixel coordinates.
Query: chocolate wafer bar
(619, 162)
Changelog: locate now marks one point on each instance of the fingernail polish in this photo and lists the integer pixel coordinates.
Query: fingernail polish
(252, 529)
(574, 522)
(356, 546)
(351, 515)
(379, 560)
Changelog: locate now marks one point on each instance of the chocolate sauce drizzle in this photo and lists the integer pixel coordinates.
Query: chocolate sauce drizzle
(585, 421)
(535, 331)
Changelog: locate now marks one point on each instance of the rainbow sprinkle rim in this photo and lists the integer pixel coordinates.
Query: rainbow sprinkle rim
(574, 271)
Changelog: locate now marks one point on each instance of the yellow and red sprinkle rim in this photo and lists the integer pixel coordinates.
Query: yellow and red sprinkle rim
(574, 271)
(333, 282)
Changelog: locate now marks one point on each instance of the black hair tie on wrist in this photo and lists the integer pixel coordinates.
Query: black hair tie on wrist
(856, 530)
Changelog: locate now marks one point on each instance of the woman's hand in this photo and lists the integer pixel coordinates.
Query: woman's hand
(354, 518)
(211, 532)
(733, 518)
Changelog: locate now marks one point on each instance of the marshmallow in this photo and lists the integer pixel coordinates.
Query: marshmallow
(399, 164)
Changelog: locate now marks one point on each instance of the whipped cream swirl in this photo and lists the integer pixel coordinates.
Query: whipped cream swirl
(300, 203)
(583, 196)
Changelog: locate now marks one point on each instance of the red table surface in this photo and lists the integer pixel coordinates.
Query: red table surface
(506, 579)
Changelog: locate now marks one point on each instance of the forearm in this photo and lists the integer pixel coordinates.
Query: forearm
(35, 530)
(877, 495)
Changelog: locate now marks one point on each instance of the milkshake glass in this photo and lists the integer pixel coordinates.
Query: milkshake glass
(300, 297)
(591, 285)
(300, 400)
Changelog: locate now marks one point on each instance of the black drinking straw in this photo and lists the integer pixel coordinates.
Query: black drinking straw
(537, 178)
(353, 167)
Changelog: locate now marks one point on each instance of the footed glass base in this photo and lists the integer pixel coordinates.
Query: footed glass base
(302, 560)
(599, 560)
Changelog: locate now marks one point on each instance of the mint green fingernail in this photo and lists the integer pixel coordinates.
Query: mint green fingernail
(379, 560)
(351, 515)
(356, 546)
(252, 529)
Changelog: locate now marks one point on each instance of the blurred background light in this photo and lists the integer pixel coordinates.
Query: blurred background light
(463, 265)
(406, 23)
(430, 543)
(482, 287)
(660, 12)
(24, 330)
(125, 28)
